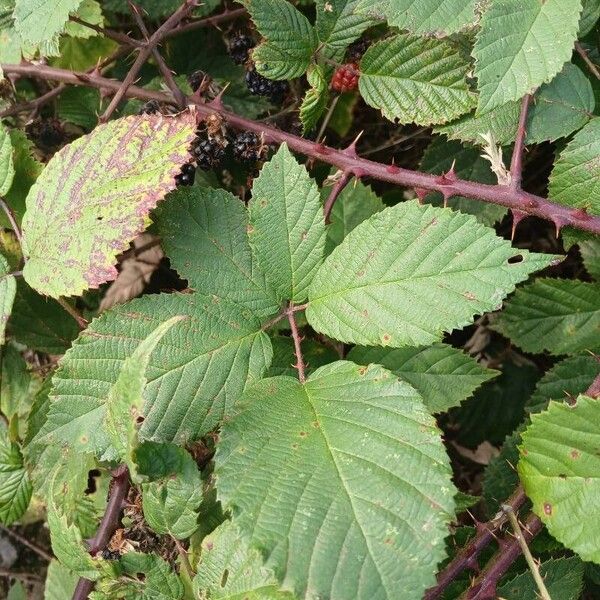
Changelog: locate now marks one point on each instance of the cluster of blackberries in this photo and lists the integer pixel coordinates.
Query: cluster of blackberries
(208, 152)
(261, 86)
(187, 175)
(151, 107)
(239, 48)
(247, 147)
(110, 555)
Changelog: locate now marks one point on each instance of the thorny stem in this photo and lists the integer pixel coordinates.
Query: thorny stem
(10, 215)
(108, 525)
(484, 587)
(346, 160)
(516, 163)
(587, 60)
(160, 61)
(467, 556)
(533, 566)
(80, 320)
(145, 52)
(214, 21)
(23, 540)
(117, 36)
(300, 365)
(336, 190)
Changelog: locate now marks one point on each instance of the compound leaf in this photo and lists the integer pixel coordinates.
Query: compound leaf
(415, 80)
(411, 272)
(443, 375)
(521, 45)
(355, 492)
(559, 468)
(558, 315)
(287, 226)
(94, 196)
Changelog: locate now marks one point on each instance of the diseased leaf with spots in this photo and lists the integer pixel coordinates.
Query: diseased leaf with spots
(94, 197)
(409, 273)
(559, 468)
(355, 493)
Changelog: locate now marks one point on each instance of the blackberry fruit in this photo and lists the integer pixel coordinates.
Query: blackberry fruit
(247, 147)
(110, 555)
(261, 86)
(208, 153)
(150, 108)
(239, 47)
(345, 79)
(48, 134)
(187, 175)
(195, 79)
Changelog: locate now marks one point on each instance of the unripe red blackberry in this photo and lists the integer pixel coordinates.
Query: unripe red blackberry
(345, 79)
(261, 86)
(239, 47)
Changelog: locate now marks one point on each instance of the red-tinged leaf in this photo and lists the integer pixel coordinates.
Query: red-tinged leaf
(94, 197)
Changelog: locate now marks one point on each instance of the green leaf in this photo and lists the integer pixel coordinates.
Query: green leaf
(143, 577)
(556, 315)
(355, 203)
(440, 17)
(558, 109)
(589, 15)
(17, 592)
(17, 387)
(195, 373)
(590, 253)
(171, 504)
(80, 54)
(575, 178)
(41, 323)
(80, 105)
(287, 226)
(94, 196)
(315, 99)
(520, 46)
(40, 21)
(563, 577)
(290, 38)
(15, 487)
(27, 169)
(230, 570)
(8, 289)
(415, 80)
(7, 170)
(124, 402)
(89, 11)
(315, 354)
(443, 375)
(440, 156)
(559, 469)
(355, 492)
(565, 380)
(205, 235)
(60, 582)
(409, 273)
(339, 24)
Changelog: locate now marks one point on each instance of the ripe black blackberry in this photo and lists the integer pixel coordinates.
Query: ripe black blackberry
(239, 47)
(195, 79)
(47, 134)
(261, 86)
(150, 108)
(247, 147)
(187, 175)
(208, 152)
(110, 555)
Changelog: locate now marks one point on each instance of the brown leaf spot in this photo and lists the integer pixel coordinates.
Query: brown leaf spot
(362, 370)
(295, 446)
(249, 229)
(263, 202)
(575, 454)
(84, 439)
(316, 424)
(360, 273)
(386, 338)
(303, 434)
(470, 296)
(365, 313)
(547, 508)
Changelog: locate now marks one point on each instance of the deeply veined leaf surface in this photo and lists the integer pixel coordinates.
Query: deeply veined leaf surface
(559, 468)
(558, 315)
(8, 289)
(195, 373)
(415, 80)
(575, 179)
(315, 99)
(39, 21)
(522, 44)
(287, 226)
(204, 233)
(7, 170)
(15, 485)
(443, 375)
(409, 273)
(94, 196)
(343, 483)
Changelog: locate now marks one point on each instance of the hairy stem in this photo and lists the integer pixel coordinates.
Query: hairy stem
(300, 365)
(533, 566)
(108, 525)
(347, 160)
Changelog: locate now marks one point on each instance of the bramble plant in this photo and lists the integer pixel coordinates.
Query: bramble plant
(300, 300)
